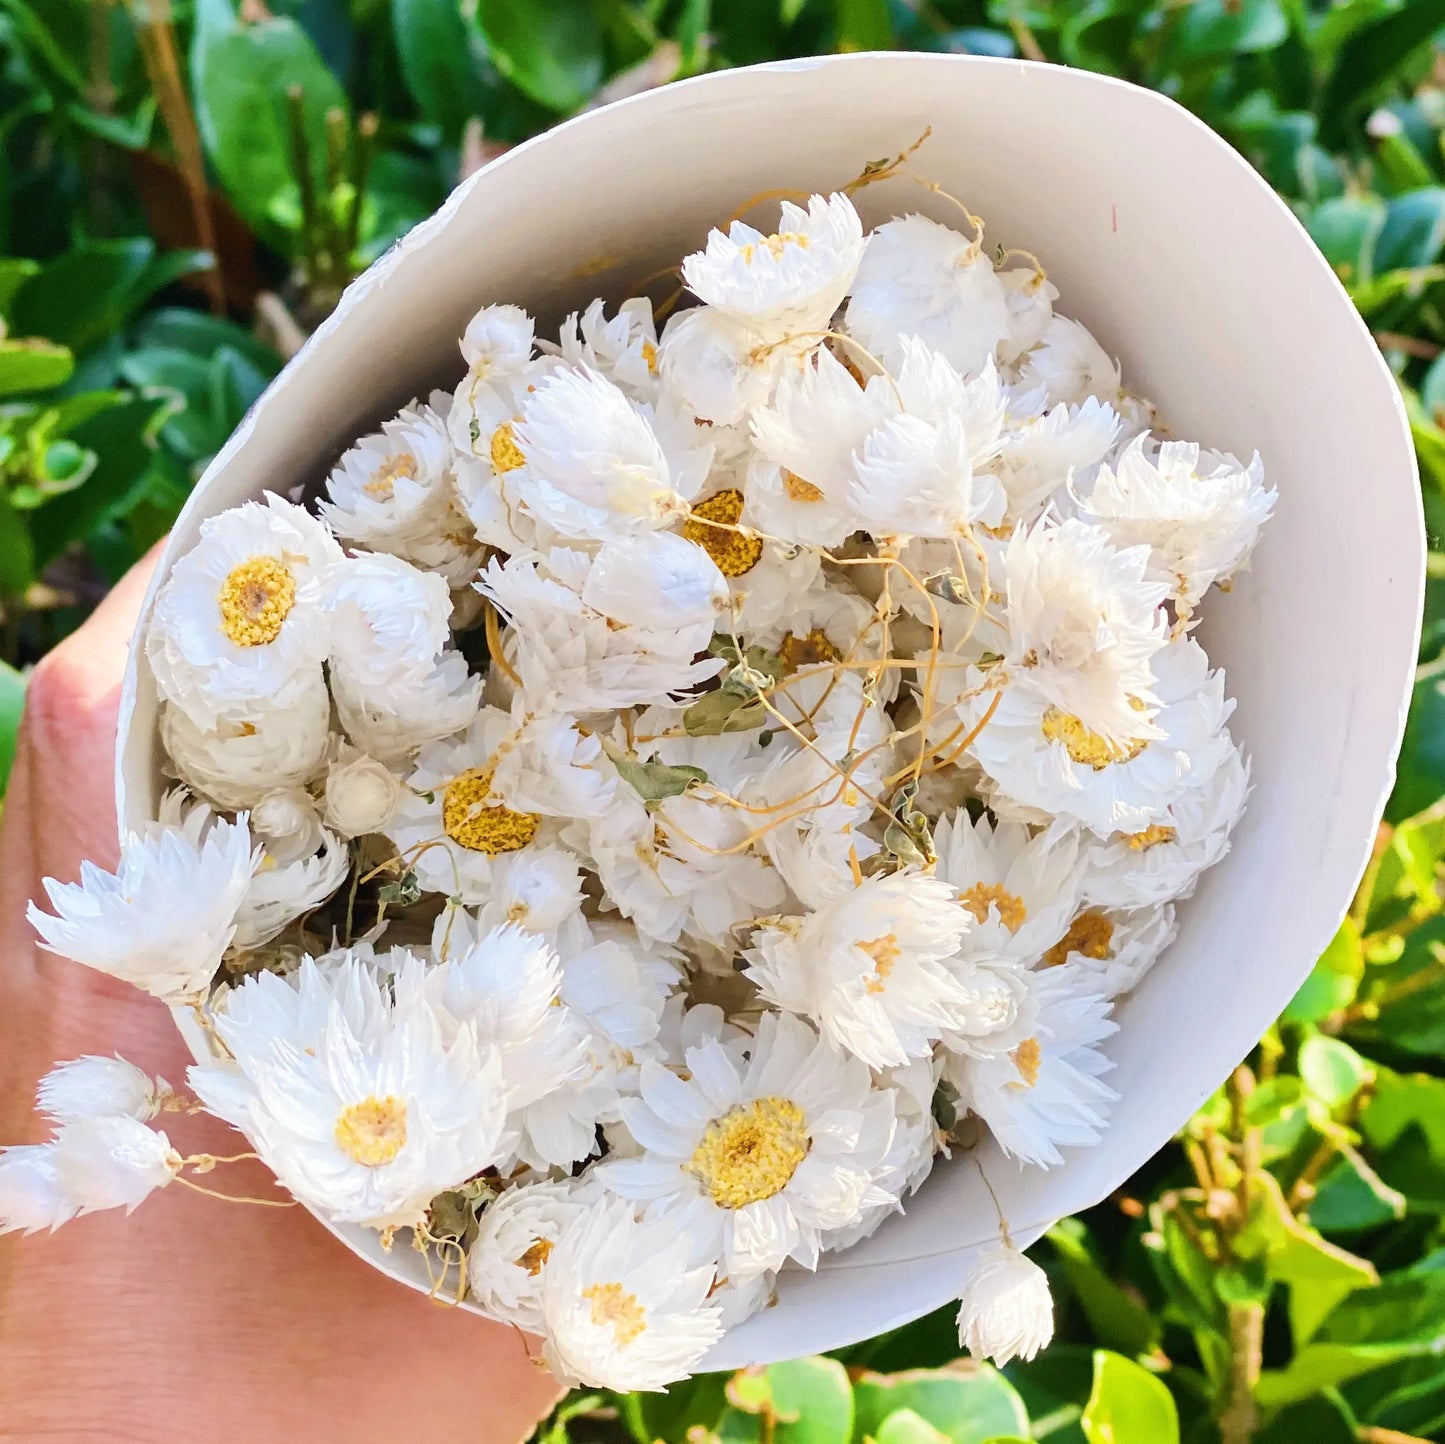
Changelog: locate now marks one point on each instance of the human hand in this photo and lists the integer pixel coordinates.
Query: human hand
(195, 1320)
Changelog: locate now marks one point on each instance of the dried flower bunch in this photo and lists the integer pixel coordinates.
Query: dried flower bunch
(668, 791)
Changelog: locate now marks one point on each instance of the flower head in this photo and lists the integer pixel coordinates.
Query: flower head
(1006, 1311)
(95, 1087)
(163, 919)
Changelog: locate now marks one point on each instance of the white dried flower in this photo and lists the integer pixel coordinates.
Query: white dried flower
(31, 1197)
(96, 1087)
(361, 793)
(1006, 1311)
(163, 919)
(112, 1162)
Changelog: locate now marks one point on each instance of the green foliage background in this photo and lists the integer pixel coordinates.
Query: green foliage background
(187, 188)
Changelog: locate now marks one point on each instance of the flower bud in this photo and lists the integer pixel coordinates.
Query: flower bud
(94, 1087)
(1006, 1311)
(361, 794)
(287, 822)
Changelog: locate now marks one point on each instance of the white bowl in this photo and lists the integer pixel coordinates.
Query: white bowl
(1165, 242)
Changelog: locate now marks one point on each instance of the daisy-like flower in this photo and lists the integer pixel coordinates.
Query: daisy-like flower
(515, 1238)
(1020, 889)
(95, 1087)
(1006, 1311)
(112, 1161)
(1045, 1091)
(1199, 513)
(1071, 366)
(1147, 868)
(806, 435)
(1041, 452)
(31, 1197)
(388, 623)
(241, 620)
(871, 969)
(769, 301)
(394, 487)
(595, 467)
(765, 578)
(361, 792)
(538, 889)
(163, 919)
(625, 1303)
(623, 348)
(792, 280)
(920, 279)
(235, 761)
(572, 649)
(353, 1097)
(392, 723)
(1029, 296)
(1042, 763)
(287, 823)
(497, 342)
(682, 865)
(909, 1160)
(1113, 948)
(1085, 626)
(761, 1164)
(619, 987)
(489, 792)
(281, 892)
(505, 988)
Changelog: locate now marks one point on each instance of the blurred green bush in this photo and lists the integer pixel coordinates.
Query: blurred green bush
(188, 187)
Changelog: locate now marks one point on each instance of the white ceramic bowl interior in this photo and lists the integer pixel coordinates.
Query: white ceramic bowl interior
(1183, 262)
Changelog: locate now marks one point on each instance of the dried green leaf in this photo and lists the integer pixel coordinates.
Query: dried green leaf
(652, 781)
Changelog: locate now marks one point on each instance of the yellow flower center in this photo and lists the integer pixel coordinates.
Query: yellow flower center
(1091, 934)
(649, 355)
(255, 600)
(536, 1256)
(1150, 837)
(383, 479)
(799, 490)
(1086, 746)
(751, 1152)
(884, 952)
(473, 822)
(506, 454)
(1026, 1058)
(775, 245)
(1011, 909)
(612, 1304)
(807, 651)
(373, 1131)
(709, 527)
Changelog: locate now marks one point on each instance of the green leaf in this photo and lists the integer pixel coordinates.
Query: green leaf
(1325, 1419)
(1213, 29)
(240, 76)
(809, 1400)
(966, 1401)
(1368, 61)
(1422, 755)
(1332, 1070)
(1413, 232)
(123, 440)
(17, 550)
(1118, 1318)
(182, 329)
(443, 61)
(33, 366)
(718, 712)
(14, 272)
(652, 781)
(1128, 1405)
(1402, 1101)
(1346, 228)
(905, 1427)
(862, 25)
(95, 288)
(552, 52)
(12, 704)
(1332, 981)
